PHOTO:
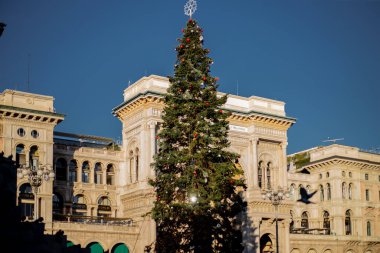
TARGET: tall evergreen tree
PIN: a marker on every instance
(196, 178)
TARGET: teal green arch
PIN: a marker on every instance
(69, 244)
(120, 248)
(95, 247)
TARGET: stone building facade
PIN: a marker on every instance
(101, 198)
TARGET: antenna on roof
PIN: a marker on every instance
(129, 83)
(333, 140)
(237, 87)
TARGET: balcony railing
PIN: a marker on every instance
(311, 231)
(93, 220)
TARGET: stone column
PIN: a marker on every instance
(254, 164)
(152, 142)
(286, 236)
(104, 176)
(91, 174)
(283, 180)
(79, 170)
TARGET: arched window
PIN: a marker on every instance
(269, 165)
(347, 222)
(137, 164)
(304, 220)
(308, 189)
(98, 173)
(344, 190)
(131, 162)
(110, 174)
(260, 174)
(328, 192)
(57, 203)
(73, 171)
(20, 154)
(299, 190)
(369, 228)
(327, 174)
(293, 191)
(26, 200)
(321, 193)
(104, 207)
(350, 191)
(60, 169)
(291, 225)
(33, 156)
(85, 172)
(79, 205)
(326, 221)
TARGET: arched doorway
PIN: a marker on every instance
(95, 247)
(120, 248)
(266, 245)
(26, 201)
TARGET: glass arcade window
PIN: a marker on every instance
(260, 174)
(21, 132)
(322, 193)
(26, 200)
(60, 169)
(328, 192)
(73, 171)
(110, 174)
(304, 220)
(79, 205)
(347, 222)
(85, 172)
(35, 134)
(98, 176)
(57, 204)
(104, 207)
(369, 228)
(326, 221)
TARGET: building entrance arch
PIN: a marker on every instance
(266, 244)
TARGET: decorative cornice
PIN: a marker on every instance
(30, 114)
(334, 160)
(254, 116)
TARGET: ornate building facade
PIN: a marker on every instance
(101, 198)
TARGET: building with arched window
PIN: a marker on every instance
(100, 196)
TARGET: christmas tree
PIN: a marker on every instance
(197, 183)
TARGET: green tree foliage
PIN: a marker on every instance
(196, 182)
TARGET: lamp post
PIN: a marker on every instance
(36, 174)
(275, 197)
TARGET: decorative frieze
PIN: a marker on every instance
(270, 131)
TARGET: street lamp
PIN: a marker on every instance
(275, 197)
(35, 174)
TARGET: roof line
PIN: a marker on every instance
(342, 158)
(81, 136)
(114, 110)
(32, 111)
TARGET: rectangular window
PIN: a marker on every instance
(366, 176)
(367, 194)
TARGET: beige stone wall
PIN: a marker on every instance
(258, 133)
(344, 169)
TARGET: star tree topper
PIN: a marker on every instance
(190, 7)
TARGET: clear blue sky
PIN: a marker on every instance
(321, 57)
